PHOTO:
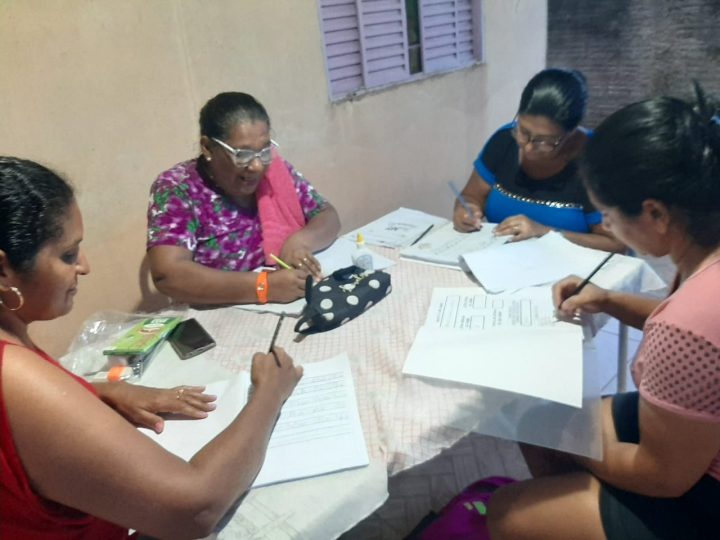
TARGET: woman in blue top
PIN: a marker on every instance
(526, 177)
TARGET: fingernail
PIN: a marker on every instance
(158, 427)
(212, 405)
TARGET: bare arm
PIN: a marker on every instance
(178, 276)
(475, 193)
(80, 453)
(630, 309)
(673, 454)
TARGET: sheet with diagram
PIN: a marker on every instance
(472, 309)
(400, 228)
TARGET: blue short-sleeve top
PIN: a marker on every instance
(559, 202)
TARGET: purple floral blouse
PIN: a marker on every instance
(184, 211)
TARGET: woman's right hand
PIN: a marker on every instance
(464, 223)
(286, 285)
(591, 299)
(279, 380)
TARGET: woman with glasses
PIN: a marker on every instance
(237, 207)
(526, 178)
(653, 169)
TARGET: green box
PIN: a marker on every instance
(142, 337)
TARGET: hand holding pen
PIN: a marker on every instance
(574, 295)
(467, 217)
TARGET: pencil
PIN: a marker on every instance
(282, 263)
(274, 337)
(422, 235)
(587, 279)
(460, 199)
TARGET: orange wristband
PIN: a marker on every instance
(261, 287)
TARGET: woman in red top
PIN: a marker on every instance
(70, 465)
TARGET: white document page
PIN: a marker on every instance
(397, 229)
(335, 257)
(445, 245)
(318, 431)
(544, 362)
(470, 308)
(536, 261)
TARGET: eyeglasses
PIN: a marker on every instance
(541, 143)
(244, 157)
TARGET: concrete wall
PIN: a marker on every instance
(634, 49)
(108, 93)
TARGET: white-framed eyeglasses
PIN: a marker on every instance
(539, 143)
(244, 157)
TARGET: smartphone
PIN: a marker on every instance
(190, 339)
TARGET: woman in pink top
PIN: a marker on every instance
(653, 170)
(71, 467)
(213, 219)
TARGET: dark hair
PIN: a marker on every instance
(664, 149)
(33, 202)
(558, 94)
(219, 115)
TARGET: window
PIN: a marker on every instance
(374, 43)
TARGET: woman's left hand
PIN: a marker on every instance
(143, 405)
(521, 228)
(298, 255)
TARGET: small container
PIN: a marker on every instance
(362, 256)
(114, 374)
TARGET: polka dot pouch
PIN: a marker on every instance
(340, 297)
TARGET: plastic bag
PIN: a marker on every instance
(85, 354)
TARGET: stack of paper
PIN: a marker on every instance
(318, 431)
(444, 245)
(397, 229)
(508, 342)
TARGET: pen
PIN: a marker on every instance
(421, 236)
(587, 279)
(275, 335)
(460, 199)
(282, 263)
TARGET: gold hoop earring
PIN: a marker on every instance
(20, 300)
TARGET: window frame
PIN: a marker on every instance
(361, 50)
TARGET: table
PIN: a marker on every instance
(405, 420)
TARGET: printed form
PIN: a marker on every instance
(470, 308)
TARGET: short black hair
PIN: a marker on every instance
(558, 94)
(666, 149)
(33, 202)
(219, 115)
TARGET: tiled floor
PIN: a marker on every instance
(431, 485)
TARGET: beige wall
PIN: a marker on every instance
(108, 93)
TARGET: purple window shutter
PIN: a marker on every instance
(446, 34)
(383, 33)
(343, 51)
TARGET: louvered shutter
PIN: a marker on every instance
(343, 50)
(383, 34)
(446, 28)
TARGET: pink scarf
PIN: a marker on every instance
(278, 207)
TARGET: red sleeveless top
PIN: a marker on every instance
(24, 514)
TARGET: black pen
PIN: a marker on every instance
(275, 335)
(587, 279)
(421, 236)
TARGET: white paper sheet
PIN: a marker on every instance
(470, 308)
(544, 362)
(397, 229)
(536, 261)
(318, 431)
(338, 255)
(445, 245)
